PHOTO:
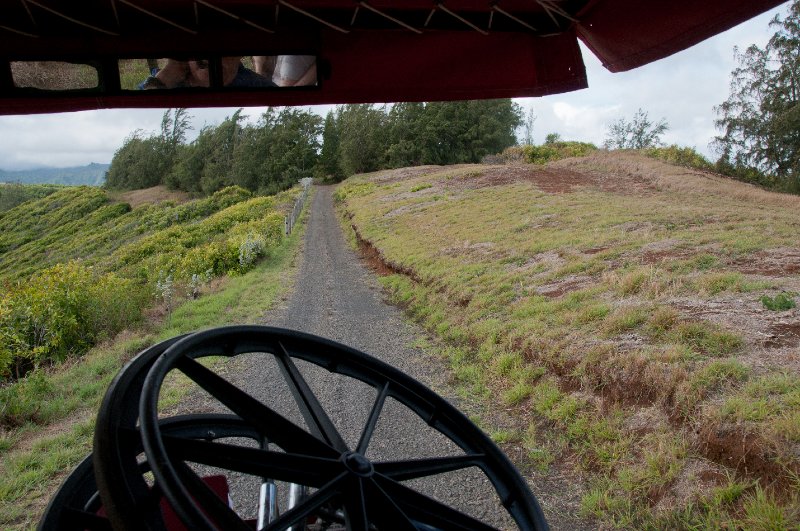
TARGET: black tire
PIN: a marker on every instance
(370, 494)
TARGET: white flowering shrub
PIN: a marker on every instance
(251, 248)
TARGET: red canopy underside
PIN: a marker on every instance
(387, 50)
(625, 34)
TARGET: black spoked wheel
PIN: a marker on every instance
(368, 494)
(77, 504)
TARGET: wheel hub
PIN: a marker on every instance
(358, 464)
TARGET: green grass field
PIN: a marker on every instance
(615, 305)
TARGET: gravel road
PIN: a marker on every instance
(336, 297)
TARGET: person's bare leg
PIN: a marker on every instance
(264, 65)
(295, 70)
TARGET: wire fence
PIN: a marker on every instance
(291, 219)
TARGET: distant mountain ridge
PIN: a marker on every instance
(92, 174)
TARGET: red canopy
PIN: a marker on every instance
(367, 51)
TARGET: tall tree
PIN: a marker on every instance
(760, 120)
(279, 151)
(639, 133)
(218, 167)
(329, 159)
(362, 143)
(405, 123)
(190, 161)
(138, 163)
(526, 129)
(174, 125)
(144, 161)
(466, 131)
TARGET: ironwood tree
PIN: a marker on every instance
(760, 120)
(638, 133)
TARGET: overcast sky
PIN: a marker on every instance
(683, 89)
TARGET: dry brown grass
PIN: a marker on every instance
(595, 293)
(53, 75)
(146, 196)
(627, 165)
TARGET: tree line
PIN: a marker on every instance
(760, 120)
(286, 144)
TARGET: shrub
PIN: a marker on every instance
(61, 312)
(682, 156)
(20, 403)
(746, 174)
(547, 152)
(510, 155)
(211, 243)
(250, 249)
(780, 302)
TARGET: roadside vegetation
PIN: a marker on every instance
(634, 316)
(70, 326)
(78, 267)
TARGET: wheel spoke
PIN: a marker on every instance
(383, 512)
(355, 505)
(312, 411)
(293, 468)
(309, 505)
(427, 510)
(275, 427)
(418, 468)
(212, 505)
(366, 435)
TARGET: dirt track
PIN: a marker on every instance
(337, 297)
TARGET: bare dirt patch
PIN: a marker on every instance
(408, 209)
(551, 259)
(595, 250)
(564, 285)
(697, 477)
(375, 260)
(645, 173)
(647, 420)
(771, 263)
(771, 337)
(559, 177)
(784, 335)
(403, 174)
(664, 250)
(732, 446)
(553, 181)
(146, 196)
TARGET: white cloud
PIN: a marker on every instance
(579, 122)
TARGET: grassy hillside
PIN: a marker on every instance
(77, 266)
(147, 254)
(636, 317)
(85, 223)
